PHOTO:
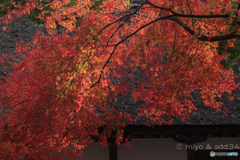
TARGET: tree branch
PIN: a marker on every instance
(174, 18)
(204, 38)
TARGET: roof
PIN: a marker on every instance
(21, 29)
(203, 116)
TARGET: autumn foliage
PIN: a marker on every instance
(58, 96)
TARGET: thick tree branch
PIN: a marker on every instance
(204, 38)
(174, 18)
(186, 15)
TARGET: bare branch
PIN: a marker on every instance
(99, 79)
(168, 9)
(191, 13)
(122, 18)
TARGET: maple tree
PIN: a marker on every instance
(7, 6)
(58, 96)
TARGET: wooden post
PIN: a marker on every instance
(113, 151)
(190, 152)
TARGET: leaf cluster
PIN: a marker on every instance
(7, 6)
(232, 54)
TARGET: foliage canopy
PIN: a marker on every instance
(58, 96)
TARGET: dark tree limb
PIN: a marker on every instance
(174, 18)
(204, 38)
